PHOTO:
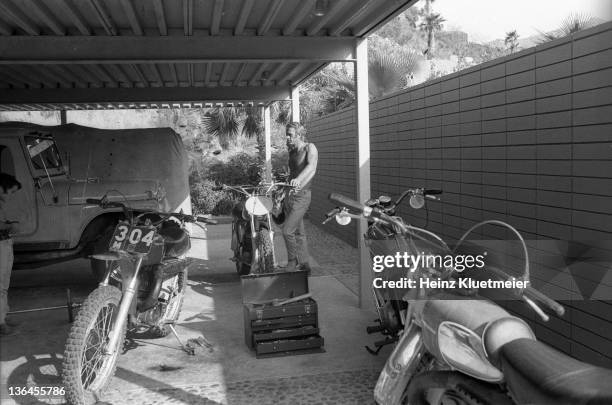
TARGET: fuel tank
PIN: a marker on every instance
(472, 312)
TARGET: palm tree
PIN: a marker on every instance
(511, 41)
(570, 25)
(225, 123)
(387, 72)
(432, 23)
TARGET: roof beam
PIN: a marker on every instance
(223, 73)
(298, 16)
(103, 17)
(160, 16)
(316, 27)
(47, 16)
(17, 16)
(130, 13)
(216, 17)
(76, 17)
(172, 49)
(247, 5)
(269, 17)
(239, 74)
(257, 74)
(357, 13)
(144, 95)
(188, 17)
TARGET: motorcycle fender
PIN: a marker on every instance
(401, 366)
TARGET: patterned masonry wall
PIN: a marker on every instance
(526, 139)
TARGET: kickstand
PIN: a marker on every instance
(186, 348)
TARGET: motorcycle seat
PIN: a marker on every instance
(538, 374)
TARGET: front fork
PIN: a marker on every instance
(124, 308)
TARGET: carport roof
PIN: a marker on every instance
(98, 54)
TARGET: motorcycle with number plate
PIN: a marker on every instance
(454, 345)
(142, 291)
(252, 231)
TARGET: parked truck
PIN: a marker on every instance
(60, 167)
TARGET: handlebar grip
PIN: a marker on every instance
(207, 220)
(346, 201)
(534, 294)
(432, 191)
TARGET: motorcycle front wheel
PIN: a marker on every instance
(265, 253)
(86, 369)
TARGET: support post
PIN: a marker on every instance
(295, 104)
(363, 167)
(63, 119)
(268, 142)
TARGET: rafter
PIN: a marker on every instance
(51, 76)
(268, 19)
(140, 74)
(174, 74)
(160, 16)
(62, 71)
(106, 21)
(276, 71)
(48, 17)
(190, 74)
(188, 17)
(257, 74)
(208, 73)
(100, 72)
(247, 5)
(130, 13)
(12, 12)
(216, 17)
(14, 77)
(80, 71)
(292, 72)
(298, 16)
(75, 16)
(238, 77)
(224, 71)
(357, 13)
(122, 77)
(157, 74)
(386, 11)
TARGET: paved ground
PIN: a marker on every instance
(156, 371)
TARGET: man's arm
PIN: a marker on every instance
(312, 157)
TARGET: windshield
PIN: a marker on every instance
(43, 153)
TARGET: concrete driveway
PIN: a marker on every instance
(157, 371)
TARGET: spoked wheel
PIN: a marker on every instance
(87, 367)
(168, 310)
(265, 253)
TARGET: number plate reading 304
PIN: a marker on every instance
(132, 239)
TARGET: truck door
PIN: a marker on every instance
(22, 206)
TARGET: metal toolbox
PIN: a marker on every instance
(274, 329)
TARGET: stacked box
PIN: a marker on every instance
(276, 330)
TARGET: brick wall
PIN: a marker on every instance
(526, 139)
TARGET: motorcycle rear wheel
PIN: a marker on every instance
(266, 256)
(86, 370)
(173, 308)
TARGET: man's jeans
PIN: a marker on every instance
(6, 265)
(296, 206)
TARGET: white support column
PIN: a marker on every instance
(268, 142)
(363, 167)
(295, 104)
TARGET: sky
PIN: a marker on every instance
(486, 20)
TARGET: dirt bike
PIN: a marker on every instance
(252, 231)
(454, 346)
(142, 290)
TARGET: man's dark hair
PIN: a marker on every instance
(299, 129)
(7, 182)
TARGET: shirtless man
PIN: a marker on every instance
(303, 158)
